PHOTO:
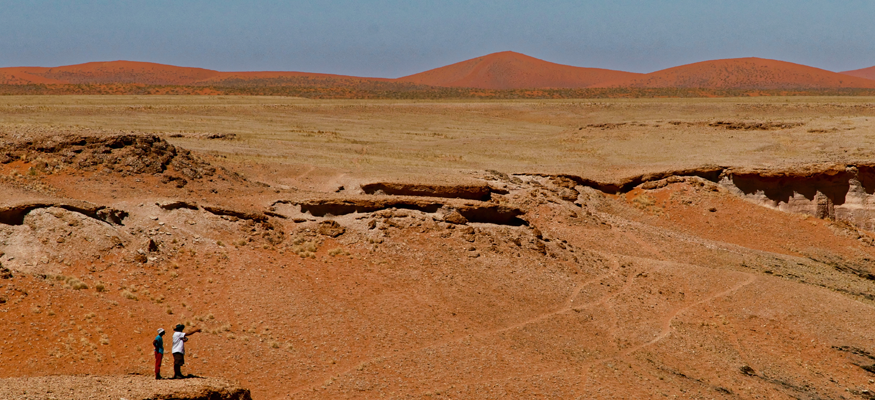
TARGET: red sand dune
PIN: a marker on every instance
(150, 74)
(247, 75)
(505, 70)
(21, 76)
(509, 70)
(867, 73)
(122, 72)
(744, 73)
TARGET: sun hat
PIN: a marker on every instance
(160, 330)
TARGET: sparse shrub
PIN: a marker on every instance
(274, 345)
(337, 252)
(644, 201)
(100, 287)
(128, 295)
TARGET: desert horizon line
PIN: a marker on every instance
(445, 65)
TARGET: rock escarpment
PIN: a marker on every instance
(836, 192)
(120, 153)
(130, 387)
(842, 192)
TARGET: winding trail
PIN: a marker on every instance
(665, 332)
(567, 306)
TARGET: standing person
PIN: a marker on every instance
(158, 343)
(179, 339)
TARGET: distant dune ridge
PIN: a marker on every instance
(498, 71)
(868, 73)
(744, 73)
(145, 73)
(509, 70)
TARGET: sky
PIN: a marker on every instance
(393, 38)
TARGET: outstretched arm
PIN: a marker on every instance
(192, 332)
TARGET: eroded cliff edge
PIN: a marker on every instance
(130, 387)
(841, 192)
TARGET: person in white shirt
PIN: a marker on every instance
(179, 339)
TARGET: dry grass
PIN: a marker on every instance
(605, 138)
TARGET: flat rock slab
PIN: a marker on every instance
(130, 387)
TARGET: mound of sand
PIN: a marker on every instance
(145, 73)
(510, 70)
(117, 72)
(744, 73)
(867, 73)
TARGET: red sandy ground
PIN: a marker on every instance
(672, 292)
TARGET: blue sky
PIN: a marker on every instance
(392, 38)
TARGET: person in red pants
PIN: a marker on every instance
(158, 343)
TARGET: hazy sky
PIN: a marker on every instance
(392, 38)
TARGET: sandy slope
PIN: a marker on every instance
(504, 70)
(147, 74)
(510, 70)
(744, 73)
(867, 73)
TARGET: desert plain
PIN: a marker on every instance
(599, 248)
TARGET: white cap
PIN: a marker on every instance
(160, 330)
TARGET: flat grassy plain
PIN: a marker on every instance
(602, 139)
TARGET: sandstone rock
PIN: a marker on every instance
(5, 273)
(568, 194)
(131, 387)
(454, 217)
(331, 228)
(151, 246)
(471, 192)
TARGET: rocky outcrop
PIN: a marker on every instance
(14, 214)
(121, 153)
(836, 192)
(131, 387)
(255, 217)
(5, 273)
(472, 211)
(711, 173)
(215, 210)
(469, 192)
(827, 191)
